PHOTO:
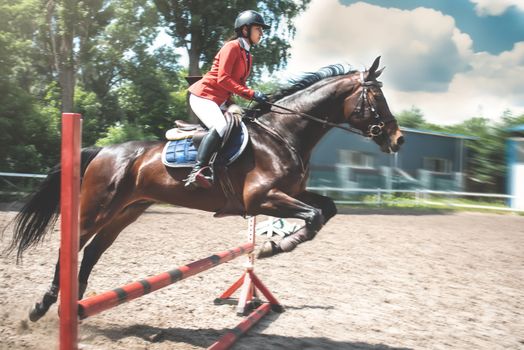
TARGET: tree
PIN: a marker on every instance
(412, 118)
(61, 18)
(26, 133)
(201, 27)
(117, 65)
(111, 56)
(102, 31)
(487, 164)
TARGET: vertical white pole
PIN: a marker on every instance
(251, 230)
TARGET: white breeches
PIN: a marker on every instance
(209, 113)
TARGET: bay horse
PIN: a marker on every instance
(120, 182)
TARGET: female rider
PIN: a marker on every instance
(228, 75)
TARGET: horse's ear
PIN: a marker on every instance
(374, 66)
(378, 72)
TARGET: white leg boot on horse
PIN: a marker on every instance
(322, 209)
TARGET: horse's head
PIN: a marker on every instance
(366, 109)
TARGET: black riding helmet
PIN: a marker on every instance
(249, 18)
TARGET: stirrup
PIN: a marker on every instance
(203, 177)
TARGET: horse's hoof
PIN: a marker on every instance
(268, 249)
(36, 313)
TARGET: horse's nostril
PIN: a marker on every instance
(400, 140)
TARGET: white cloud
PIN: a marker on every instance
(420, 44)
(492, 85)
(495, 7)
(431, 63)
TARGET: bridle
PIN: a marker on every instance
(364, 109)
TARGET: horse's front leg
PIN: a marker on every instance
(308, 232)
(314, 209)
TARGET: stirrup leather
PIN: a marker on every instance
(200, 178)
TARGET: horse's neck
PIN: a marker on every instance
(300, 132)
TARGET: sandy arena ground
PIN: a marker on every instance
(368, 281)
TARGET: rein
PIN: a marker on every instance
(275, 134)
(318, 120)
(374, 130)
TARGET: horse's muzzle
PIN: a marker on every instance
(395, 147)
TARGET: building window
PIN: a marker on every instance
(438, 165)
(355, 159)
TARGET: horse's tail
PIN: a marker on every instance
(40, 212)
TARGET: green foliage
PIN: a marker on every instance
(122, 132)
(29, 132)
(412, 118)
(124, 88)
(487, 163)
(203, 26)
(147, 96)
(268, 87)
(94, 122)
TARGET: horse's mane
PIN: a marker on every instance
(305, 80)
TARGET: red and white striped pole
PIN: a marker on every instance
(98, 303)
(69, 211)
(228, 339)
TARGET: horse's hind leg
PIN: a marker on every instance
(103, 240)
(50, 297)
(92, 253)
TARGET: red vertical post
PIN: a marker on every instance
(69, 210)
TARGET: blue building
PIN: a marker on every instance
(431, 160)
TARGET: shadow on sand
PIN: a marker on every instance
(205, 337)
(347, 210)
(166, 209)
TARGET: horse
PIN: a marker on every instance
(119, 182)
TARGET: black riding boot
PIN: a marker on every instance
(208, 146)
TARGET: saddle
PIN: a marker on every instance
(181, 150)
(185, 130)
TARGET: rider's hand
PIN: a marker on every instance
(260, 97)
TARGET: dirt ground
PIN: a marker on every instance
(370, 280)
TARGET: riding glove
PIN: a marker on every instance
(260, 97)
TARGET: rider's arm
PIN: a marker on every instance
(229, 58)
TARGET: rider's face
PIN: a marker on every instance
(256, 34)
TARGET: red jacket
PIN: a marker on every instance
(227, 76)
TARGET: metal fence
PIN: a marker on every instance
(355, 196)
(419, 197)
(13, 185)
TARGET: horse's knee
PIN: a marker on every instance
(315, 222)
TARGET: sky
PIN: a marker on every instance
(453, 59)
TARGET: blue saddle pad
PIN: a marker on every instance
(183, 153)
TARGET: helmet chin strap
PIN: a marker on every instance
(249, 34)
